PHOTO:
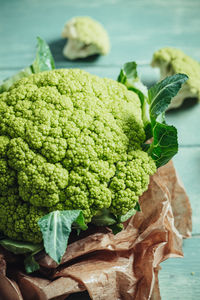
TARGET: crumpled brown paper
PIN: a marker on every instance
(123, 266)
(180, 204)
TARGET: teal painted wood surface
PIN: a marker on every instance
(136, 28)
(180, 278)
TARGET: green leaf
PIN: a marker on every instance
(129, 77)
(153, 106)
(43, 62)
(161, 94)
(79, 224)
(127, 216)
(137, 207)
(56, 228)
(164, 145)
(104, 218)
(128, 72)
(165, 141)
(17, 247)
(30, 264)
(116, 228)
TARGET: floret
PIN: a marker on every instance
(69, 140)
(85, 37)
(172, 61)
(40, 182)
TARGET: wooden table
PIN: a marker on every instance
(136, 29)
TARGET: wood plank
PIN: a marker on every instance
(180, 277)
(148, 75)
(147, 26)
(188, 168)
(187, 121)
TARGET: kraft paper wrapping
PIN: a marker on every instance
(123, 266)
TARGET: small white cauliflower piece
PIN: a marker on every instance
(172, 61)
(85, 37)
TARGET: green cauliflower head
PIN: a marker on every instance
(172, 61)
(68, 140)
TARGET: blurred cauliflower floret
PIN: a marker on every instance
(172, 61)
(85, 37)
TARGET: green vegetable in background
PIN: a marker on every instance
(85, 37)
(172, 61)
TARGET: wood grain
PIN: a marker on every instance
(180, 278)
